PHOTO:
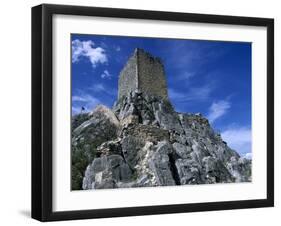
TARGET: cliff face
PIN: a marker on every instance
(142, 141)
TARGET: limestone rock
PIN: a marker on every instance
(155, 146)
(183, 151)
(96, 127)
(188, 171)
(142, 141)
(130, 147)
(160, 166)
(105, 172)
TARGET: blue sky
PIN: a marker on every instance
(210, 77)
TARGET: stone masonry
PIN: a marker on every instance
(144, 73)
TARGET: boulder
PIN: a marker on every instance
(131, 145)
(188, 171)
(183, 151)
(160, 166)
(106, 171)
(164, 148)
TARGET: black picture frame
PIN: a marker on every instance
(42, 111)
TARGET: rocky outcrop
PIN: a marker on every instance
(88, 132)
(144, 142)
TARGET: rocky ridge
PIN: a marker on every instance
(142, 141)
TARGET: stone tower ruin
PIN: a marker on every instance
(145, 73)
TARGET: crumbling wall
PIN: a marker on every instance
(128, 77)
(151, 75)
(143, 72)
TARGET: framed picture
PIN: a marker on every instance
(146, 112)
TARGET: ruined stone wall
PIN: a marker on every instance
(128, 78)
(143, 72)
(151, 75)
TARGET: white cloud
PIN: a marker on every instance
(185, 76)
(106, 74)
(118, 48)
(239, 139)
(85, 100)
(76, 110)
(100, 88)
(248, 155)
(193, 54)
(200, 93)
(193, 94)
(175, 95)
(217, 110)
(95, 55)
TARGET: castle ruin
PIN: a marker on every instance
(145, 73)
(143, 142)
